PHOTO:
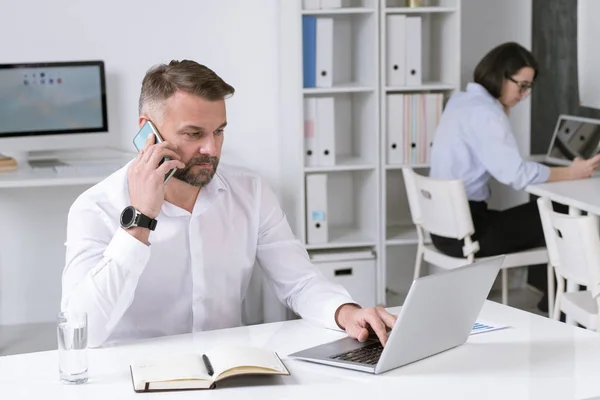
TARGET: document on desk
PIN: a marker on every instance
(482, 326)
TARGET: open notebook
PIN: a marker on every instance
(192, 371)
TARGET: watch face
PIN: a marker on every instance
(127, 216)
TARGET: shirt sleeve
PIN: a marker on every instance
(295, 280)
(101, 272)
(496, 148)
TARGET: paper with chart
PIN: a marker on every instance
(482, 326)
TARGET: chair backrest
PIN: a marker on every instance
(438, 206)
(573, 245)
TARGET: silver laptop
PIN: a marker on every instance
(438, 315)
(573, 137)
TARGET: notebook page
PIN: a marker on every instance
(228, 357)
(176, 367)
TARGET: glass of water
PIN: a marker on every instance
(72, 348)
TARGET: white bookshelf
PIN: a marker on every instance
(366, 199)
(440, 58)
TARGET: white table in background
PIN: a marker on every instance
(86, 174)
(536, 358)
(579, 195)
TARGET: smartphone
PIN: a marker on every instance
(140, 140)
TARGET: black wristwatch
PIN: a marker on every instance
(130, 217)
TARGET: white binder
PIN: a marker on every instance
(311, 4)
(413, 51)
(317, 225)
(333, 52)
(396, 50)
(434, 113)
(396, 138)
(310, 139)
(325, 131)
(324, 62)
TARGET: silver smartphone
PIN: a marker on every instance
(140, 140)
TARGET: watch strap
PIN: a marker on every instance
(144, 221)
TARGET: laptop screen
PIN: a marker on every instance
(575, 137)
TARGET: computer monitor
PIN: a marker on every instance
(52, 106)
(574, 137)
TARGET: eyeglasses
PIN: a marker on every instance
(524, 86)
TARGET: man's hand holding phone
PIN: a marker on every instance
(146, 180)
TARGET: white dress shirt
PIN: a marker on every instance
(474, 142)
(195, 273)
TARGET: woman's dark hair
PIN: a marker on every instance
(500, 63)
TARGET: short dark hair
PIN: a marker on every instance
(500, 63)
(162, 81)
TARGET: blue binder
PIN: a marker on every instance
(309, 51)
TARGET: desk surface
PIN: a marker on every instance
(583, 194)
(536, 358)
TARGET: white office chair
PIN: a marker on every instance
(574, 249)
(440, 207)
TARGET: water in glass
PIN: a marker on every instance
(72, 349)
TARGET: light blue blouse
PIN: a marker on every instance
(474, 142)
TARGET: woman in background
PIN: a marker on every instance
(474, 142)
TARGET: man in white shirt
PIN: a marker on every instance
(147, 259)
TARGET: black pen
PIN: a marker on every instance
(208, 365)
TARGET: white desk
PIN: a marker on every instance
(580, 195)
(536, 358)
(25, 177)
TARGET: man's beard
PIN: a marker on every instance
(203, 177)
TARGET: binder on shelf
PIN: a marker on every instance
(333, 52)
(421, 113)
(395, 129)
(324, 52)
(310, 139)
(413, 51)
(311, 4)
(317, 225)
(396, 50)
(435, 103)
(325, 131)
(414, 127)
(309, 55)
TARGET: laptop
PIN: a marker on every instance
(573, 137)
(438, 314)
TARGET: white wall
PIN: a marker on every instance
(486, 24)
(236, 38)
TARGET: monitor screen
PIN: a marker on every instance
(52, 98)
(577, 137)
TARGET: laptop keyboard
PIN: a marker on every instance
(365, 355)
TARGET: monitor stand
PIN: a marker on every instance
(35, 159)
(43, 159)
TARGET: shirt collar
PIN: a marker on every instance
(478, 90)
(206, 196)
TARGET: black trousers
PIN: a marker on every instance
(500, 232)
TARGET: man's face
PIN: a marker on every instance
(196, 127)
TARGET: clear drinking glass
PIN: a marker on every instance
(72, 348)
